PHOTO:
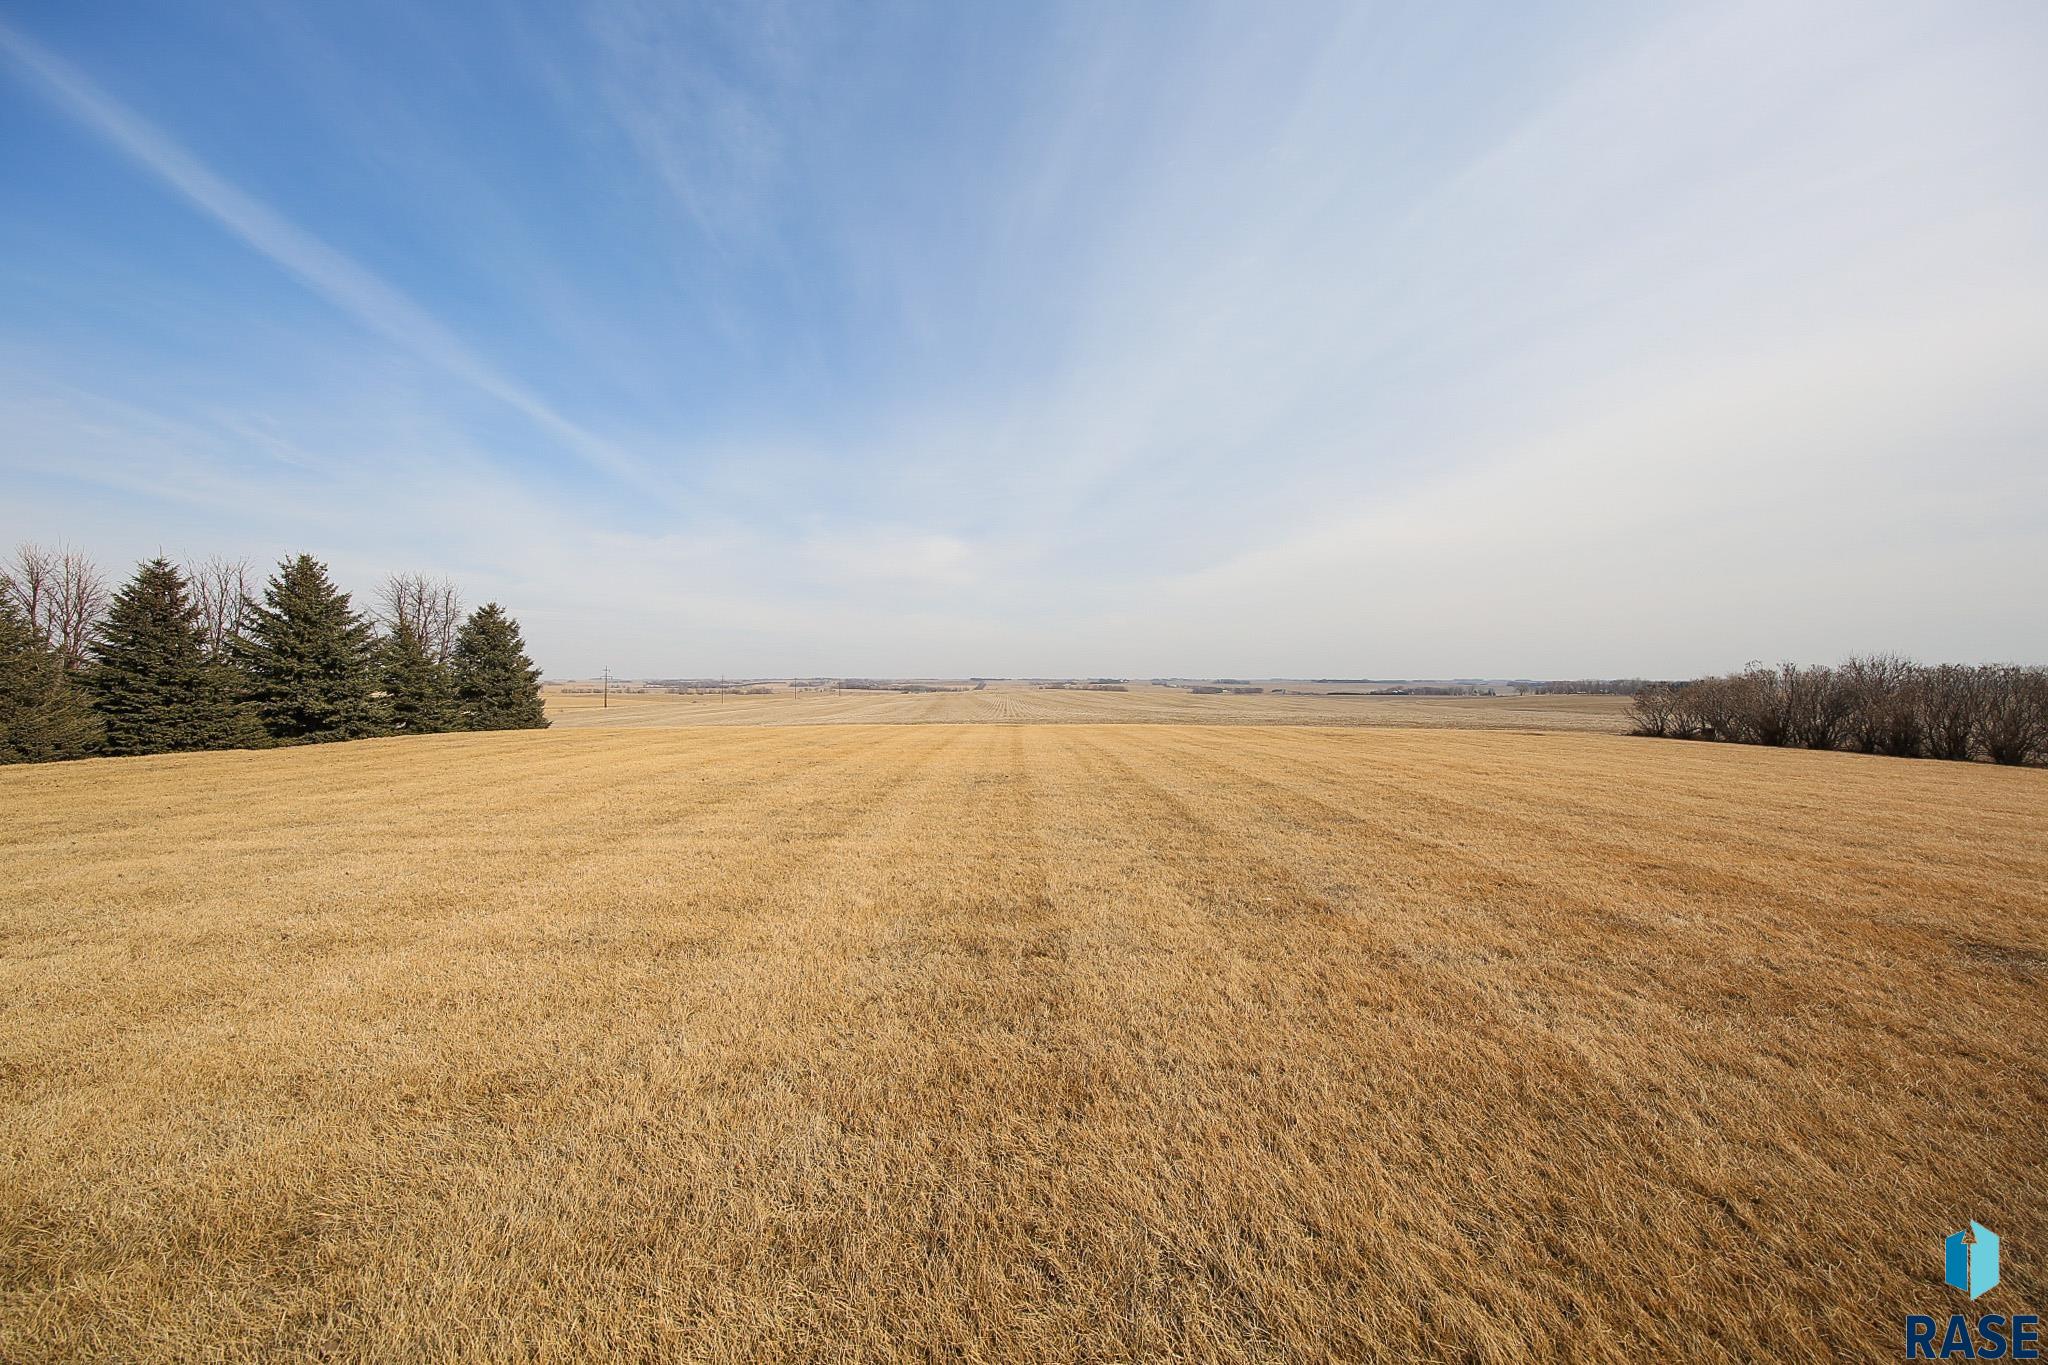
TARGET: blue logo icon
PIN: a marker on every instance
(1973, 1259)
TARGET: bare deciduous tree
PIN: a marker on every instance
(28, 580)
(62, 595)
(77, 607)
(221, 589)
(431, 606)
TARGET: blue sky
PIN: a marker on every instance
(1389, 340)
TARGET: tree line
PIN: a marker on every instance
(194, 657)
(1875, 704)
(1582, 687)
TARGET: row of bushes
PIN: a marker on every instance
(165, 665)
(1877, 704)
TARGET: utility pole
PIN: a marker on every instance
(607, 688)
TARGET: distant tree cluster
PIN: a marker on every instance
(1422, 690)
(1878, 704)
(192, 658)
(1583, 687)
(891, 685)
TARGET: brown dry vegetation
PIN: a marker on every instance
(1142, 704)
(993, 1042)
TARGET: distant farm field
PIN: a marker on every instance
(1142, 704)
(979, 1042)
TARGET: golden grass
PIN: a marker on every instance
(1014, 1042)
(1143, 704)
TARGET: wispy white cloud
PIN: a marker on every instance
(347, 285)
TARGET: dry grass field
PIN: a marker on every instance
(1143, 704)
(991, 1042)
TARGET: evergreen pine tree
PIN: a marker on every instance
(309, 661)
(418, 698)
(496, 685)
(42, 716)
(150, 679)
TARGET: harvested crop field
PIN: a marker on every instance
(1140, 705)
(1014, 1042)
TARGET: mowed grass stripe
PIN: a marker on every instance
(713, 1134)
(1758, 812)
(426, 884)
(1392, 1140)
(1817, 1005)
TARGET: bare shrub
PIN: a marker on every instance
(2037, 690)
(1706, 709)
(1760, 707)
(2013, 713)
(1884, 716)
(1819, 703)
(1948, 698)
(1879, 704)
(1653, 711)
